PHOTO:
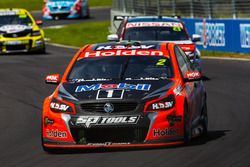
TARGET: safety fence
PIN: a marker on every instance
(186, 8)
(223, 24)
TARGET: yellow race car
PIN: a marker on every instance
(19, 32)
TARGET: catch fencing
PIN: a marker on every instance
(223, 24)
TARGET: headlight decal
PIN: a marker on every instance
(159, 92)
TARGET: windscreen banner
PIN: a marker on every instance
(225, 35)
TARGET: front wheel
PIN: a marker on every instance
(187, 125)
(204, 120)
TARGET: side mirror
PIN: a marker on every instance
(39, 22)
(113, 38)
(192, 76)
(52, 79)
(196, 38)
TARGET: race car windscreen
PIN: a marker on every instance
(15, 19)
(155, 34)
(122, 68)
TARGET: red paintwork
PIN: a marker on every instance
(161, 122)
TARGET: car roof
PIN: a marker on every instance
(13, 11)
(152, 19)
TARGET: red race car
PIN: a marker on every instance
(125, 95)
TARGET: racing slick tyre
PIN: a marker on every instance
(187, 125)
(204, 120)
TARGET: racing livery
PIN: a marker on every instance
(125, 95)
(70, 9)
(19, 32)
(152, 28)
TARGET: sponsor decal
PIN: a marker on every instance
(177, 90)
(48, 121)
(52, 78)
(8, 12)
(120, 86)
(174, 118)
(213, 34)
(162, 105)
(165, 132)
(124, 53)
(106, 144)
(58, 106)
(245, 35)
(77, 80)
(129, 47)
(88, 121)
(14, 28)
(193, 75)
(56, 134)
(154, 24)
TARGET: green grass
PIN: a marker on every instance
(79, 34)
(95, 3)
(27, 4)
(37, 4)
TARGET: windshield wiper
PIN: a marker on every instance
(125, 66)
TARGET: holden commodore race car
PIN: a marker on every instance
(120, 95)
(19, 32)
(154, 28)
(70, 9)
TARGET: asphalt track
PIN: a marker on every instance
(22, 90)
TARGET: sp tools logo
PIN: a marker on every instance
(88, 121)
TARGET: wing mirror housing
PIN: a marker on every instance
(192, 76)
(113, 38)
(53, 79)
(196, 38)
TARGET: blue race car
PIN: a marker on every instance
(69, 9)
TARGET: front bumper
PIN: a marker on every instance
(151, 130)
(61, 15)
(22, 44)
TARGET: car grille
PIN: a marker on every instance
(15, 35)
(15, 47)
(111, 134)
(63, 8)
(118, 107)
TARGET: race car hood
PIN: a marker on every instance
(139, 90)
(64, 3)
(14, 28)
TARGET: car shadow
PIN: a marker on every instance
(205, 78)
(211, 136)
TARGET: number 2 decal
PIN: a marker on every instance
(161, 62)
